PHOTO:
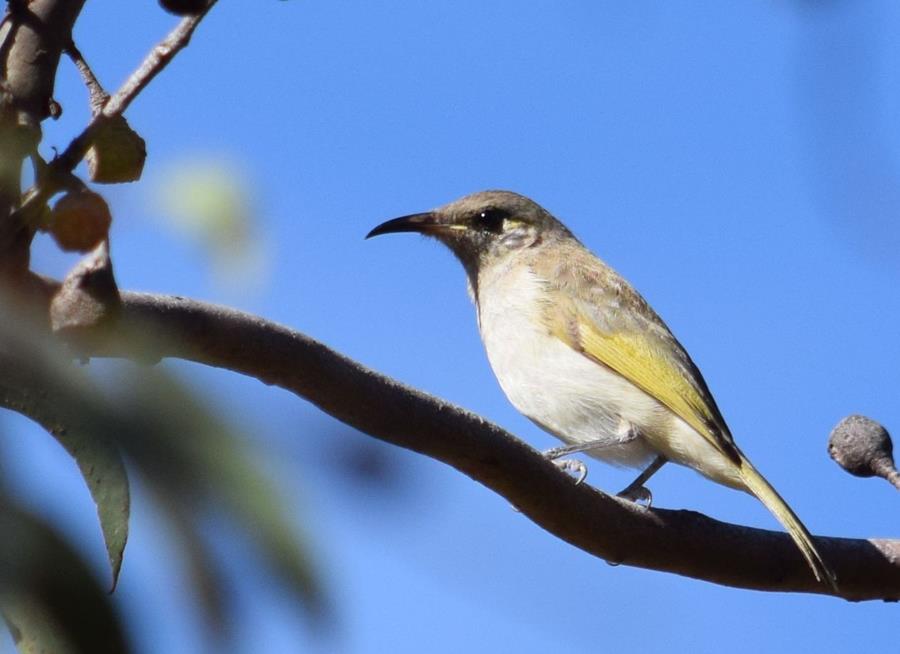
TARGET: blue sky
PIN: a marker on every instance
(738, 162)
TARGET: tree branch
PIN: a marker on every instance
(115, 106)
(32, 36)
(682, 542)
(158, 58)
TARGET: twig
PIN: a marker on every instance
(153, 64)
(98, 96)
(682, 542)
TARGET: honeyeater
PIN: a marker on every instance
(578, 351)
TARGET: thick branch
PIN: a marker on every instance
(683, 542)
(32, 36)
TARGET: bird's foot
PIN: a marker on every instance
(636, 491)
(572, 467)
(638, 494)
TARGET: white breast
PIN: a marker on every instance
(564, 392)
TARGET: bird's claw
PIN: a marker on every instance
(573, 467)
(640, 495)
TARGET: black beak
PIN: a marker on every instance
(424, 223)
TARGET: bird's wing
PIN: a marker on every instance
(597, 313)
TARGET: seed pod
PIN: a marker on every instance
(80, 220)
(183, 7)
(863, 448)
(117, 155)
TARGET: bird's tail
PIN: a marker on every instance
(763, 490)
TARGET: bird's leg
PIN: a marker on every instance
(557, 452)
(625, 434)
(636, 491)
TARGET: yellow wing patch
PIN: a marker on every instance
(653, 371)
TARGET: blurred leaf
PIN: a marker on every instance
(97, 456)
(201, 461)
(207, 582)
(49, 599)
(187, 454)
(33, 629)
(208, 201)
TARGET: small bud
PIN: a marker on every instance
(54, 109)
(80, 220)
(863, 448)
(183, 7)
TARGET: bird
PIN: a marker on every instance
(579, 352)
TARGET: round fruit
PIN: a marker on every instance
(80, 220)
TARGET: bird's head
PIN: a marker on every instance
(482, 228)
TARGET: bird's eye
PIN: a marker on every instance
(492, 219)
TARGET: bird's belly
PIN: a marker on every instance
(566, 393)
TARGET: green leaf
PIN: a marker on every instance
(49, 599)
(104, 473)
(59, 410)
